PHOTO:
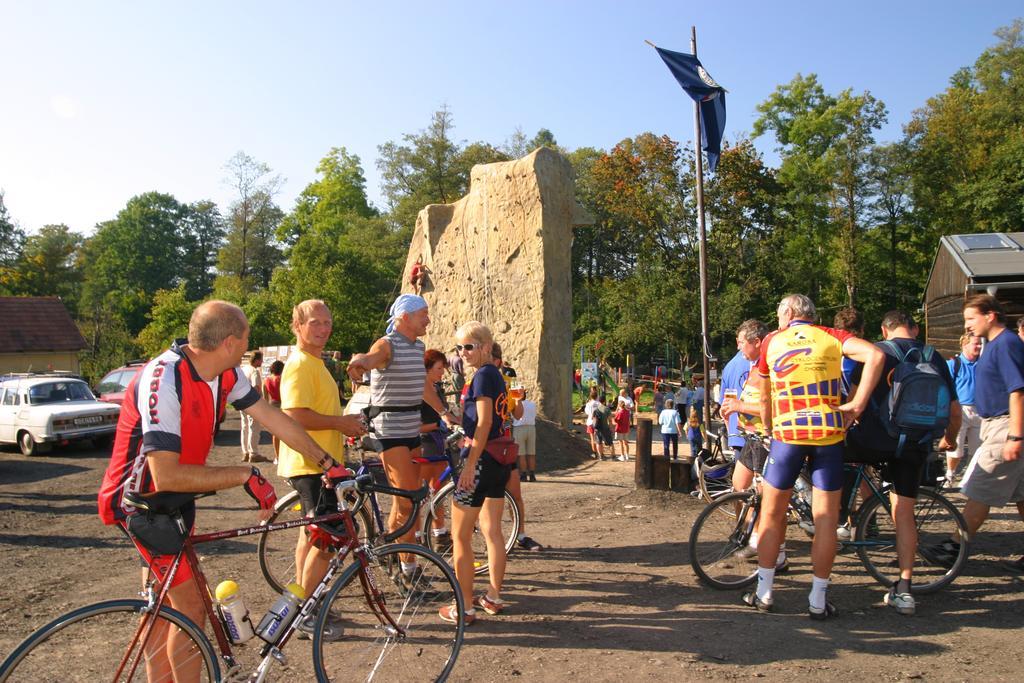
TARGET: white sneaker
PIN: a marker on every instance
(903, 603)
(843, 532)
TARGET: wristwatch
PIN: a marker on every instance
(1014, 437)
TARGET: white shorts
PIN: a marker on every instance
(526, 438)
(990, 479)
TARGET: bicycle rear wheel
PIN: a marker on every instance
(87, 644)
(276, 549)
(441, 506)
(391, 627)
(937, 520)
(720, 530)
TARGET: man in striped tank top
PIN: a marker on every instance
(397, 388)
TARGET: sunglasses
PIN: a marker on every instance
(465, 347)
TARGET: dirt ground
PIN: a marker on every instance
(612, 597)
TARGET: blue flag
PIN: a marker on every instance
(699, 85)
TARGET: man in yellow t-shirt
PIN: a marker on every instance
(309, 395)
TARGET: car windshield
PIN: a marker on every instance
(59, 392)
(114, 381)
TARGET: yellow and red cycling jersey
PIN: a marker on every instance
(804, 364)
(751, 394)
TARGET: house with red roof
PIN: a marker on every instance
(37, 334)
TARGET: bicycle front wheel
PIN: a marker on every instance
(276, 549)
(720, 530)
(390, 628)
(937, 521)
(440, 508)
(89, 643)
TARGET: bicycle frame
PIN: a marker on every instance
(348, 544)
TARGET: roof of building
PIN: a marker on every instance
(37, 323)
(988, 255)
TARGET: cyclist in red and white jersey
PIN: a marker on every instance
(164, 434)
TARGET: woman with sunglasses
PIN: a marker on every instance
(480, 493)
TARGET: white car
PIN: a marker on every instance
(38, 411)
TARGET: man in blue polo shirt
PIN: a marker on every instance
(996, 475)
(961, 367)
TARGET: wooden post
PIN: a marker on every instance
(643, 473)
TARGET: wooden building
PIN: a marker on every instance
(964, 265)
(38, 335)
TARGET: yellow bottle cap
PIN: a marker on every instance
(225, 589)
(296, 590)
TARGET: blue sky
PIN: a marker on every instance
(105, 100)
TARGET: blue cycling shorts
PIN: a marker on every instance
(785, 460)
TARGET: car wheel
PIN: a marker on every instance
(29, 446)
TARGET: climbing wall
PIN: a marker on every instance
(502, 255)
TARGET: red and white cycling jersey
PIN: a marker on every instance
(167, 407)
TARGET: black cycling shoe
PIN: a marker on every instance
(750, 599)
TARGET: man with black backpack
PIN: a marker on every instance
(914, 403)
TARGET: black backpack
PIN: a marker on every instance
(917, 407)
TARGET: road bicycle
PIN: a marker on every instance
(390, 622)
(725, 526)
(277, 552)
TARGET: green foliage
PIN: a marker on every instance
(202, 235)
(251, 250)
(49, 266)
(12, 239)
(967, 151)
(429, 168)
(133, 256)
(168, 320)
(110, 342)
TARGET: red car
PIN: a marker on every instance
(111, 387)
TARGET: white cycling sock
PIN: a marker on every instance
(440, 532)
(408, 567)
(765, 580)
(782, 555)
(817, 595)
(520, 537)
(753, 540)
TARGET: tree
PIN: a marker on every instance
(430, 168)
(168, 320)
(50, 265)
(825, 143)
(12, 239)
(967, 152)
(338, 194)
(202, 236)
(251, 250)
(133, 256)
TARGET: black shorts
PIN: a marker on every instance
(314, 497)
(904, 472)
(491, 478)
(412, 443)
(753, 455)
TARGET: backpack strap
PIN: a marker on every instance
(957, 362)
(900, 356)
(927, 352)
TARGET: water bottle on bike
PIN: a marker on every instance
(233, 612)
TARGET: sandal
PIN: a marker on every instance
(750, 599)
(492, 607)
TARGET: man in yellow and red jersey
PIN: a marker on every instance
(800, 370)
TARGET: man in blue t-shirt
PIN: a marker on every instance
(749, 459)
(868, 441)
(961, 367)
(996, 475)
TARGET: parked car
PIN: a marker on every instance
(40, 411)
(111, 387)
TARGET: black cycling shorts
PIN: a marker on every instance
(315, 498)
(412, 443)
(490, 477)
(904, 472)
(753, 455)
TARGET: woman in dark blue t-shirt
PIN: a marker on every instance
(480, 493)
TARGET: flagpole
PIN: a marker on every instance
(705, 347)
